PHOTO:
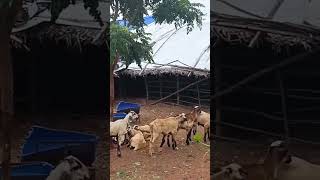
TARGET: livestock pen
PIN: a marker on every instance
(265, 86)
(190, 162)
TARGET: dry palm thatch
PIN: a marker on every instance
(72, 36)
(239, 30)
(175, 71)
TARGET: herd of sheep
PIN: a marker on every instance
(124, 131)
(279, 164)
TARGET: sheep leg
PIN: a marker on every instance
(163, 140)
(194, 128)
(174, 143)
(118, 148)
(205, 136)
(188, 137)
(168, 140)
(154, 136)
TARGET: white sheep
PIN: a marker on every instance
(137, 140)
(230, 172)
(166, 126)
(283, 166)
(119, 129)
(203, 119)
(70, 168)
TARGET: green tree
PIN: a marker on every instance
(125, 46)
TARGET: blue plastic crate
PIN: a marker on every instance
(125, 107)
(51, 145)
(120, 115)
(30, 171)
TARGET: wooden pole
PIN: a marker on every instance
(199, 100)
(284, 100)
(270, 15)
(178, 96)
(217, 84)
(160, 87)
(147, 91)
(186, 87)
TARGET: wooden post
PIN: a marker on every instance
(199, 100)
(147, 91)
(217, 84)
(178, 85)
(284, 100)
(160, 87)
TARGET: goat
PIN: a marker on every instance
(70, 168)
(165, 127)
(231, 172)
(203, 119)
(119, 129)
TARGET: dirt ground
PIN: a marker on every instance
(187, 163)
(86, 124)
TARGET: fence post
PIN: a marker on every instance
(178, 97)
(147, 91)
(284, 97)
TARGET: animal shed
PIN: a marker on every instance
(59, 66)
(154, 85)
(270, 88)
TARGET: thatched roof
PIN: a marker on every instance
(242, 30)
(72, 36)
(282, 24)
(74, 27)
(174, 71)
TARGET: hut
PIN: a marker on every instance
(265, 58)
(180, 59)
(60, 67)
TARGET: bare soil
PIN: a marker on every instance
(186, 163)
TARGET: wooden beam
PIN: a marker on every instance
(199, 99)
(178, 94)
(147, 90)
(270, 16)
(284, 100)
(217, 86)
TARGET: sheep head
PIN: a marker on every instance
(277, 155)
(234, 172)
(70, 168)
(132, 116)
(132, 130)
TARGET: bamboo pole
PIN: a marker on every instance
(147, 90)
(217, 86)
(199, 100)
(160, 91)
(178, 95)
(284, 98)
